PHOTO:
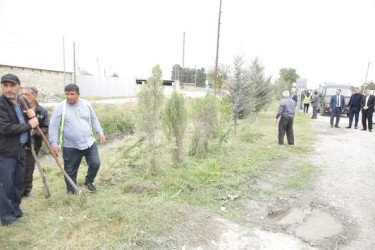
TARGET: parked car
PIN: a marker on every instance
(327, 91)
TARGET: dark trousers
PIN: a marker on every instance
(30, 166)
(12, 171)
(306, 107)
(72, 160)
(367, 116)
(286, 125)
(336, 112)
(315, 112)
(354, 112)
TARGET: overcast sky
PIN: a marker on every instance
(325, 40)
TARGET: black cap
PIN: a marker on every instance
(10, 78)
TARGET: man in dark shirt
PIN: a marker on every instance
(354, 107)
(31, 94)
(287, 110)
(14, 138)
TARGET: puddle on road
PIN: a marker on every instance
(311, 225)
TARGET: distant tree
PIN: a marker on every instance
(189, 75)
(175, 122)
(370, 85)
(260, 85)
(290, 75)
(150, 101)
(239, 90)
(115, 74)
(279, 86)
(223, 75)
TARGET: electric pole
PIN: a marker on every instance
(365, 84)
(74, 62)
(183, 62)
(217, 51)
(64, 59)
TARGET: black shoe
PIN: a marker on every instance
(370, 130)
(337, 127)
(348, 127)
(15, 222)
(90, 187)
(355, 127)
(364, 129)
(18, 212)
(71, 192)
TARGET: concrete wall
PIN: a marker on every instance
(106, 86)
(48, 80)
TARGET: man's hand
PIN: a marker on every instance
(30, 113)
(342, 110)
(276, 121)
(365, 108)
(56, 151)
(330, 110)
(33, 122)
(102, 139)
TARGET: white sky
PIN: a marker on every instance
(325, 40)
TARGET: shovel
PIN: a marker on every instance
(81, 195)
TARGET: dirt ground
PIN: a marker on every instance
(339, 213)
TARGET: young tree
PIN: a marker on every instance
(175, 122)
(260, 85)
(290, 75)
(204, 116)
(150, 101)
(239, 91)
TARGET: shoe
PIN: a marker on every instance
(370, 130)
(15, 222)
(364, 129)
(337, 127)
(27, 194)
(71, 192)
(355, 127)
(348, 127)
(18, 212)
(90, 187)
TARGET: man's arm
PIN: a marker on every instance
(331, 102)
(11, 129)
(280, 111)
(372, 103)
(54, 126)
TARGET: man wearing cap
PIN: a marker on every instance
(14, 138)
(31, 94)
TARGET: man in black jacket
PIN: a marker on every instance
(354, 107)
(31, 94)
(367, 104)
(14, 129)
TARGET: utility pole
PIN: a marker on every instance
(74, 63)
(195, 77)
(183, 62)
(365, 84)
(217, 51)
(97, 61)
(64, 59)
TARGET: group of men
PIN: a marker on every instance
(71, 129)
(356, 103)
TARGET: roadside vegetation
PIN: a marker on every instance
(134, 210)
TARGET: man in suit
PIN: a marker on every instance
(367, 104)
(336, 106)
(354, 107)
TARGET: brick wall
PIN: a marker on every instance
(48, 80)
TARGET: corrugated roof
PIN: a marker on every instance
(22, 67)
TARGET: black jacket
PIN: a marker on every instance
(370, 103)
(355, 101)
(43, 119)
(10, 129)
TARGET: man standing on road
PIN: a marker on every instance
(71, 128)
(354, 107)
(31, 94)
(315, 100)
(287, 111)
(14, 130)
(336, 106)
(367, 104)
